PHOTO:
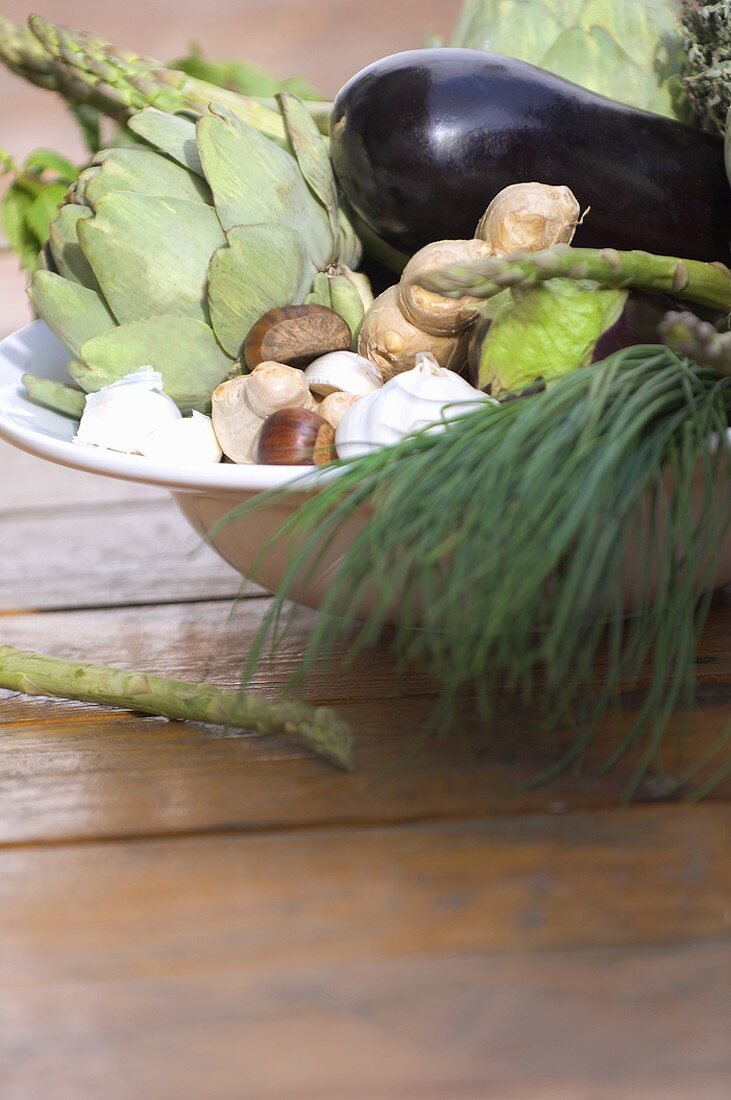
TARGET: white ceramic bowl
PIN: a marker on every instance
(204, 495)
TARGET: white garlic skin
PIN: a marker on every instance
(343, 371)
(426, 395)
(190, 441)
(121, 416)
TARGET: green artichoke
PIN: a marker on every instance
(624, 49)
(167, 254)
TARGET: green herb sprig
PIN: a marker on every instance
(31, 201)
(504, 544)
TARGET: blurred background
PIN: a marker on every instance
(324, 40)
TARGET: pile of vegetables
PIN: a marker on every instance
(212, 279)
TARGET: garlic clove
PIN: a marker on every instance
(274, 386)
(190, 441)
(343, 370)
(415, 399)
(121, 416)
(235, 424)
(333, 407)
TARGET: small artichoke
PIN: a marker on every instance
(167, 253)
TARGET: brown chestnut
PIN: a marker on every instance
(295, 335)
(295, 437)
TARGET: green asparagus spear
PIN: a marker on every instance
(688, 335)
(85, 69)
(691, 280)
(318, 727)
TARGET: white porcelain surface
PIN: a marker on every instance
(205, 495)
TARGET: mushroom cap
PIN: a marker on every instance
(432, 312)
(391, 341)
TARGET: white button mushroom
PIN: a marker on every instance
(241, 405)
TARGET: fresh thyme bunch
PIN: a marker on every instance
(706, 37)
(505, 543)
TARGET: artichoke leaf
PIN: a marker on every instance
(346, 300)
(145, 172)
(151, 255)
(184, 351)
(262, 267)
(171, 134)
(350, 247)
(66, 251)
(320, 293)
(312, 156)
(255, 182)
(54, 395)
(74, 312)
(623, 49)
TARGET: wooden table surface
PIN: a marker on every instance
(203, 915)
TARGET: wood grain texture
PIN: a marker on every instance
(197, 914)
(444, 959)
(650, 1024)
(71, 771)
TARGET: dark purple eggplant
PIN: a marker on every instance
(422, 141)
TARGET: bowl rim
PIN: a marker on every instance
(222, 478)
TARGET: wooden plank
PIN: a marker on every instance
(78, 556)
(296, 899)
(31, 484)
(72, 771)
(650, 1024)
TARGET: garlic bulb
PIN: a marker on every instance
(428, 394)
(343, 370)
(121, 416)
(190, 441)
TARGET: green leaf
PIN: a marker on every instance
(544, 331)
(43, 160)
(54, 395)
(170, 134)
(320, 293)
(66, 250)
(623, 49)
(72, 311)
(143, 171)
(185, 351)
(151, 255)
(43, 210)
(255, 182)
(261, 268)
(241, 76)
(311, 153)
(22, 240)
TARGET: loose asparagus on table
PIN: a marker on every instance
(694, 281)
(318, 727)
